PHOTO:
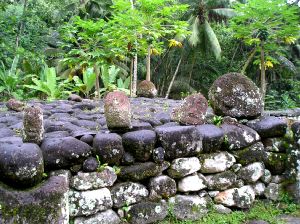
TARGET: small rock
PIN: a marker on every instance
(15, 105)
(194, 182)
(259, 188)
(277, 179)
(221, 181)
(108, 147)
(88, 139)
(236, 167)
(128, 193)
(95, 180)
(158, 155)
(192, 111)
(84, 203)
(74, 97)
(179, 141)
(251, 154)
(188, 207)
(182, 167)
(252, 172)
(221, 209)
(140, 143)
(91, 164)
(140, 171)
(161, 187)
(108, 216)
(266, 177)
(269, 127)
(127, 159)
(272, 191)
(146, 89)
(213, 194)
(216, 162)
(147, 212)
(33, 129)
(236, 197)
(213, 137)
(117, 110)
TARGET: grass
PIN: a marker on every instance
(260, 210)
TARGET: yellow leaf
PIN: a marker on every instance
(154, 51)
(174, 43)
(290, 40)
(269, 64)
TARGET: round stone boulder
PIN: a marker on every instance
(146, 89)
(21, 165)
(74, 97)
(192, 110)
(235, 95)
(161, 187)
(15, 105)
(117, 110)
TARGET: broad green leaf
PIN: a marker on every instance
(212, 41)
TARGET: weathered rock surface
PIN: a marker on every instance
(192, 111)
(272, 191)
(235, 95)
(158, 155)
(95, 180)
(221, 181)
(195, 182)
(269, 127)
(15, 105)
(117, 110)
(251, 154)
(146, 89)
(161, 187)
(128, 193)
(236, 197)
(140, 171)
(252, 172)
(37, 205)
(296, 130)
(216, 162)
(21, 165)
(213, 137)
(188, 207)
(182, 167)
(108, 147)
(259, 188)
(64, 152)
(74, 97)
(33, 129)
(108, 216)
(83, 203)
(239, 136)
(147, 212)
(91, 164)
(140, 143)
(179, 141)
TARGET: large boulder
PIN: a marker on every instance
(21, 165)
(236, 197)
(36, 205)
(89, 202)
(213, 137)
(108, 147)
(192, 111)
(182, 167)
(235, 95)
(146, 89)
(147, 212)
(64, 152)
(117, 110)
(128, 193)
(216, 162)
(252, 172)
(33, 129)
(239, 136)
(161, 187)
(179, 141)
(269, 127)
(140, 143)
(188, 207)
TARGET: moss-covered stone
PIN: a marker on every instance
(146, 89)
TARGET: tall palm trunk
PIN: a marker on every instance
(135, 63)
(173, 78)
(148, 66)
(263, 72)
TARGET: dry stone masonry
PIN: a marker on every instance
(117, 159)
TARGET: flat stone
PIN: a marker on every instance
(213, 137)
(182, 167)
(95, 180)
(108, 216)
(84, 203)
(195, 182)
(216, 162)
(128, 193)
(221, 181)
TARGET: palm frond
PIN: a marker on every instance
(194, 38)
(224, 12)
(287, 64)
(212, 41)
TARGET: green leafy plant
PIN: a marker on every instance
(87, 83)
(10, 81)
(49, 84)
(217, 120)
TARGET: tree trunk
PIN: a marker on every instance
(97, 72)
(248, 61)
(21, 25)
(173, 78)
(148, 66)
(263, 72)
(192, 67)
(131, 76)
(135, 64)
